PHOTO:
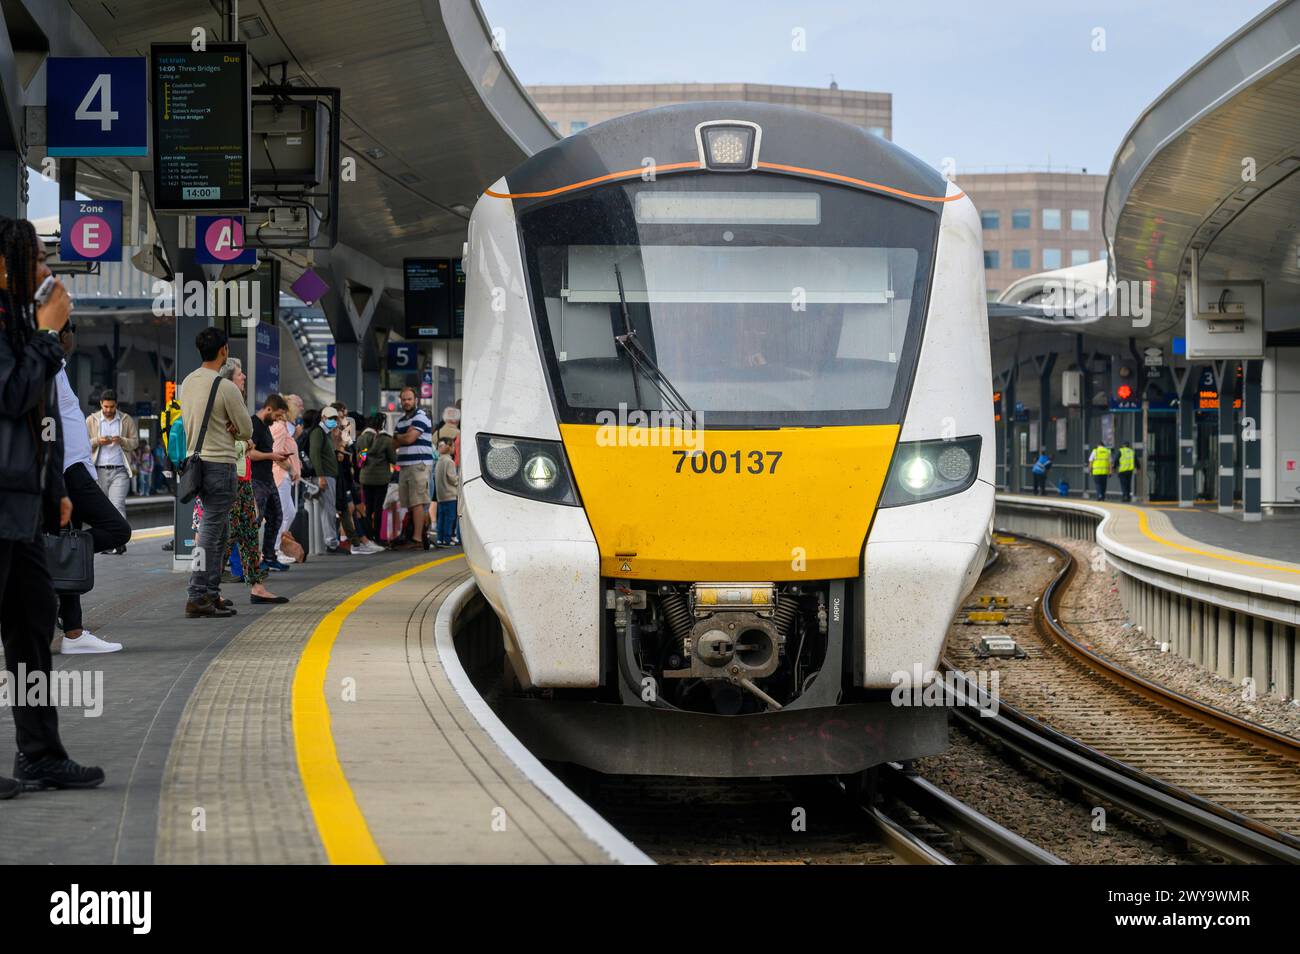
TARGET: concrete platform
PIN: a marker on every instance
(1260, 557)
(324, 730)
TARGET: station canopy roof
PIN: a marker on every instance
(1214, 164)
(431, 112)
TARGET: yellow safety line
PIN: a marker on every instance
(154, 535)
(1150, 534)
(342, 827)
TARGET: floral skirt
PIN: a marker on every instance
(243, 532)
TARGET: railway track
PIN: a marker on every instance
(898, 819)
(1205, 775)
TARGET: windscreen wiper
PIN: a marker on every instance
(642, 362)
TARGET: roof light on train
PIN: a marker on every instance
(728, 145)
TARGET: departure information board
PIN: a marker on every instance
(200, 126)
(458, 298)
(427, 283)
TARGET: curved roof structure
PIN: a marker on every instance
(1212, 166)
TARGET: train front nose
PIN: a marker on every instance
(705, 505)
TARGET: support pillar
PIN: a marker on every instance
(347, 376)
(1010, 446)
(1185, 381)
(1279, 661)
(1259, 653)
(1225, 651)
(13, 185)
(1252, 408)
(1240, 647)
(1226, 380)
(1045, 401)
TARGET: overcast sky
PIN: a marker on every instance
(986, 82)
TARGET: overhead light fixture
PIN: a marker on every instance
(461, 209)
(410, 178)
(1249, 191)
(252, 28)
(374, 152)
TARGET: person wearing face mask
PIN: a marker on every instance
(320, 448)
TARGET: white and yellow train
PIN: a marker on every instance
(727, 458)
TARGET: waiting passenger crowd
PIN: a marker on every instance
(247, 476)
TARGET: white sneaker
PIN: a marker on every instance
(87, 642)
(359, 550)
(284, 557)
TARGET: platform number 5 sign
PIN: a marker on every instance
(96, 106)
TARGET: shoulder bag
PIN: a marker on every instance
(191, 468)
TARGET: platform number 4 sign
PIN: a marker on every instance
(101, 89)
(96, 106)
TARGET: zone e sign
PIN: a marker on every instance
(95, 106)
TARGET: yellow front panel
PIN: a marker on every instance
(801, 516)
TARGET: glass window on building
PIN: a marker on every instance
(877, 131)
(577, 125)
(1101, 256)
(1079, 256)
(1020, 258)
(1078, 220)
(991, 259)
(1051, 258)
(1052, 219)
(990, 220)
(1020, 219)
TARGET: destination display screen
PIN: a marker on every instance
(200, 126)
(427, 283)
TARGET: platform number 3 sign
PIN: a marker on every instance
(96, 106)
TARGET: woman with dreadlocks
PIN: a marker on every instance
(32, 498)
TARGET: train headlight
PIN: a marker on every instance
(527, 468)
(540, 472)
(925, 470)
(916, 475)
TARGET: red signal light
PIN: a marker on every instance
(1124, 392)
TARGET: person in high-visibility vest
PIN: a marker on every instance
(1099, 463)
(1127, 464)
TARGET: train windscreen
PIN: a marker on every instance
(752, 301)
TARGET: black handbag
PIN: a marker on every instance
(191, 480)
(70, 556)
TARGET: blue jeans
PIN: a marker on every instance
(446, 521)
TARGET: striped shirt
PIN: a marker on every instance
(421, 450)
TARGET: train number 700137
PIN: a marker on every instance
(720, 462)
